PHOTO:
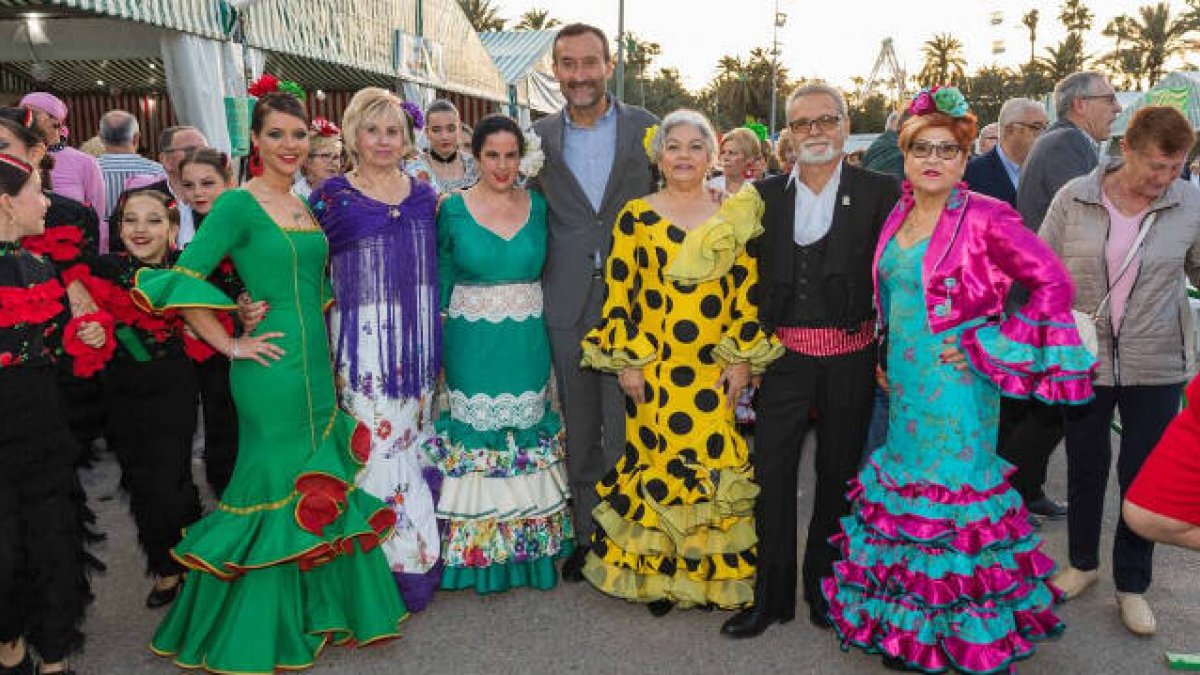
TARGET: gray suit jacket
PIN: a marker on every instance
(1062, 153)
(576, 230)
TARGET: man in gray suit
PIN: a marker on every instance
(1086, 106)
(595, 163)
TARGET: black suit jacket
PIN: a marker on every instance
(864, 200)
(986, 175)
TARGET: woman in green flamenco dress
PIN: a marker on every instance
(289, 560)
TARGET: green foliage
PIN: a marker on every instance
(536, 19)
(741, 91)
(944, 62)
(1146, 42)
(483, 15)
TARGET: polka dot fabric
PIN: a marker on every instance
(675, 519)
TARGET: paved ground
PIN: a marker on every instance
(574, 629)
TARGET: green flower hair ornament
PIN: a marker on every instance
(759, 130)
(943, 99)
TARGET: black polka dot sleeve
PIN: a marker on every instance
(617, 342)
(745, 340)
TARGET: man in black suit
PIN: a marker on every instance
(815, 293)
(996, 173)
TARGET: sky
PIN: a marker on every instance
(833, 40)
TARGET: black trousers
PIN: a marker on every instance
(1145, 413)
(151, 419)
(220, 422)
(834, 394)
(1029, 432)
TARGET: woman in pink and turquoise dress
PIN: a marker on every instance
(940, 568)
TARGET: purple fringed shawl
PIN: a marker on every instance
(384, 258)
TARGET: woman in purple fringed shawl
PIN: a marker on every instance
(384, 324)
(940, 568)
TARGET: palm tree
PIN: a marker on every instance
(1064, 58)
(537, 19)
(1076, 17)
(944, 62)
(1144, 44)
(1030, 21)
(482, 14)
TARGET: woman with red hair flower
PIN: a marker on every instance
(290, 560)
(940, 568)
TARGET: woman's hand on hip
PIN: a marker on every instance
(256, 348)
(735, 379)
(633, 383)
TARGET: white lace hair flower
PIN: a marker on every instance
(534, 158)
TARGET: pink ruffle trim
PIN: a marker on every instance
(935, 493)
(949, 651)
(987, 582)
(971, 538)
(1051, 384)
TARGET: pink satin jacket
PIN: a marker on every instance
(979, 247)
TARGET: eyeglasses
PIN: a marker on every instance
(324, 156)
(1035, 127)
(923, 149)
(186, 148)
(1110, 99)
(825, 123)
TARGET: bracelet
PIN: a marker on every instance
(233, 349)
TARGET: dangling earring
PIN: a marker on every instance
(254, 163)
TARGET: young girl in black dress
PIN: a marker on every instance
(204, 174)
(149, 390)
(44, 587)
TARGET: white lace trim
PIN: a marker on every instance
(516, 302)
(490, 413)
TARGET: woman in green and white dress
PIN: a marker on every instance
(504, 494)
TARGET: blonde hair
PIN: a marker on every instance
(365, 104)
(783, 145)
(744, 141)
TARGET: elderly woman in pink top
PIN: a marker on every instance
(940, 568)
(75, 174)
(1129, 232)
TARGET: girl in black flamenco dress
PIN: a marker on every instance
(44, 586)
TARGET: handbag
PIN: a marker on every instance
(1085, 323)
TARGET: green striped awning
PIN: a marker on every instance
(103, 75)
(202, 17)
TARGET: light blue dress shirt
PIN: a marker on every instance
(589, 153)
(1013, 169)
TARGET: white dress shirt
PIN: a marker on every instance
(814, 212)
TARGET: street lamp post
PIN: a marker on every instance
(620, 50)
(780, 20)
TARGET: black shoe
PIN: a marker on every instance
(1047, 508)
(897, 663)
(161, 597)
(572, 567)
(25, 667)
(750, 622)
(660, 607)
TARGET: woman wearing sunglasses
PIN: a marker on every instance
(940, 568)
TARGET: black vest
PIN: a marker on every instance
(809, 307)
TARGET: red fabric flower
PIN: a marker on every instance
(321, 500)
(325, 128)
(36, 304)
(88, 360)
(263, 85)
(59, 243)
(360, 443)
(7, 359)
(75, 273)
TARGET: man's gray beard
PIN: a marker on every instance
(807, 156)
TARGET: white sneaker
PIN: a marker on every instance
(1073, 581)
(1136, 613)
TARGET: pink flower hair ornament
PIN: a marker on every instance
(943, 98)
(324, 128)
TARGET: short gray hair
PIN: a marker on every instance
(1072, 87)
(118, 127)
(690, 118)
(1015, 107)
(825, 90)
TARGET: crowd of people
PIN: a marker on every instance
(579, 351)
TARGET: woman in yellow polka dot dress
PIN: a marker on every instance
(675, 521)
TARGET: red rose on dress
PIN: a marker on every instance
(6, 359)
(59, 243)
(360, 443)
